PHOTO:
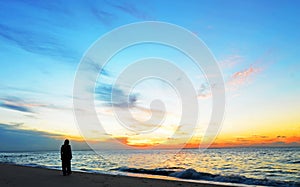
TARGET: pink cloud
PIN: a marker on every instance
(242, 77)
(239, 78)
(234, 82)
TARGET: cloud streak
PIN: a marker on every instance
(16, 104)
(49, 34)
(204, 92)
(20, 105)
(103, 16)
(129, 9)
(231, 61)
(15, 107)
(38, 42)
(41, 34)
(120, 99)
(244, 76)
(235, 80)
(259, 140)
(241, 77)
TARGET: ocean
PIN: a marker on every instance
(250, 166)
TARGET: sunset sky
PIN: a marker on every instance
(256, 44)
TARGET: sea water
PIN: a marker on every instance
(253, 166)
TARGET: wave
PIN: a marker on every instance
(15, 156)
(40, 166)
(195, 175)
(87, 170)
(296, 162)
(34, 165)
(157, 171)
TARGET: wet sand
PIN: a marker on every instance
(12, 175)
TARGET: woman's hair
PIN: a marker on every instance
(66, 142)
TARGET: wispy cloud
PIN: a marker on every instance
(264, 140)
(235, 80)
(26, 90)
(15, 107)
(120, 99)
(252, 141)
(204, 91)
(39, 42)
(103, 16)
(28, 106)
(129, 8)
(259, 65)
(241, 77)
(233, 83)
(109, 94)
(48, 33)
(92, 66)
(244, 76)
(36, 34)
(108, 12)
(231, 61)
(14, 103)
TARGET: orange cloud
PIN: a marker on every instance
(196, 142)
(248, 141)
(258, 141)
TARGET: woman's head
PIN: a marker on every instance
(66, 142)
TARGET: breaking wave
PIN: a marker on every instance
(195, 175)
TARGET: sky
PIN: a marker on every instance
(255, 43)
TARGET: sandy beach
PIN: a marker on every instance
(12, 175)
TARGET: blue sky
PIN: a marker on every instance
(256, 44)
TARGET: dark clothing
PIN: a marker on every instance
(66, 156)
(66, 167)
(65, 152)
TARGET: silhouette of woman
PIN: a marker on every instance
(66, 156)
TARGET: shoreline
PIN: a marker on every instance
(17, 175)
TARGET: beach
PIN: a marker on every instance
(13, 175)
